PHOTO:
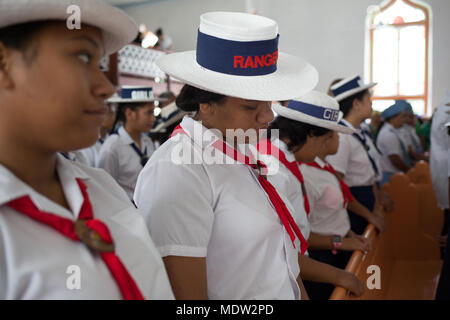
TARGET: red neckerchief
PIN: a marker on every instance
(348, 197)
(292, 167)
(95, 231)
(280, 207)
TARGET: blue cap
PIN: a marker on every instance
(405, 105)
(398, 107)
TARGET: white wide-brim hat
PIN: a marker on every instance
(349, 87)
(237, 55)
(315, 108)
(118, 29)
(134, 94)
(169, 115)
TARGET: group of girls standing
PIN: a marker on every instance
(236, 229)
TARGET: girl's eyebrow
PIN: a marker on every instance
(90, 40)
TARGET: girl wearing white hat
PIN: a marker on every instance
(354, 163)
(304, 127)
(68, 231)
(124, 154)
(222, 229)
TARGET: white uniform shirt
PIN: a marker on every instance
(410, 138)
(287, 184)
(34, 258)
(390, 143)
(376, 156)
(92, 153)
(217, 211)
(404, 135)
(440, 153)
(120, 160)
(328, 215)
(352, 160)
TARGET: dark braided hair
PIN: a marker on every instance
(191, 97)
(296, 132)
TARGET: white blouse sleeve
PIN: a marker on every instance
(389, 143)
(177, 204)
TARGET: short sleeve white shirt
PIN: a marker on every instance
(218, 211)
(390, 143)
(36, 260)
(415, 140)
(374, 153)
(286, 183)
(92, 153)
(405, 136)
(410, 138)
(352, 160)
(328, 215)
(121, 161)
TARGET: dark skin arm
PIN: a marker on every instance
(398, 162)
(187, 277)
(417, 156)
(303, 292)
(376, 218)
(349, 243)
(384, 199)
(313, 270)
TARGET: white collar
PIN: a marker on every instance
(389, 126)
(280, 144)
(126, 138)
(202, 136)
(205, 138)
(319, 162)
(11, 187)
(348, 124)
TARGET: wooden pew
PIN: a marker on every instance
(408, 251)
(431, 216)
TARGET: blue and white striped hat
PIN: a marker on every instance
(349, 87)
(237, 55)
(316, 108)
(134, 94)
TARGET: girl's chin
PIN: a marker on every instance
(86, 141)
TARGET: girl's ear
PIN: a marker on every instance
(356, 104)
(129, 114)
(5, 65)
(207, 109)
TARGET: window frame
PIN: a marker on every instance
(426, 24)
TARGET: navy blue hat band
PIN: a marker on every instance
(348, 86)
(314, 111)
(240, 58)
(136, 93)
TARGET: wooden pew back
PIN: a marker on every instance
(408, 251)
